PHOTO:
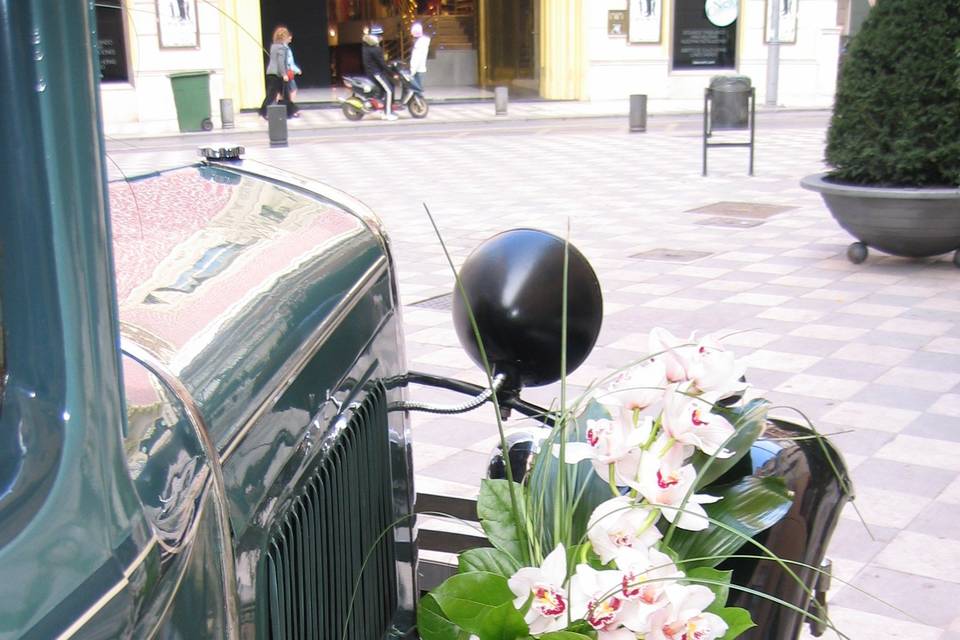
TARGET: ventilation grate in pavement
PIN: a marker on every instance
(672, 255)
(437, 303)
(735, 223)
(742, 209)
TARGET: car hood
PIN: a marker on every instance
(225, 272)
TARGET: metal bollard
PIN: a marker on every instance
(500, 98)
(277, 125)
(226, 113)
(638, 112)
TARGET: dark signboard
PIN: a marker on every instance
(699, 43)
(110, 41)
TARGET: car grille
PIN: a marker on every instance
(318, 548)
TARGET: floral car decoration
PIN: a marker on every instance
(616, 530)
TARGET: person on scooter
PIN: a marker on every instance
(376, 67)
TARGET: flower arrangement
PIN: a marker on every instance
(616, 530)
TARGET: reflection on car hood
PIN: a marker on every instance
(224, 275)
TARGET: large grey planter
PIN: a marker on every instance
(914, 223)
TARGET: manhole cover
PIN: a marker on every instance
(730, 222)
(438, 303)
(671, 255)
(742, 209)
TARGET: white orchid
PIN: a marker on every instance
(596, 598)
(610, 442)
(684, 618)
(619, 523)
(646, 575)
(665, 482)
(636, 388)
(713, 369)
(689, 420)
(543, 587)
(675, 353)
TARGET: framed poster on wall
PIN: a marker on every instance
(705, 38)
(177, 24)
(616, 23)
(645, 19)
(781, 15)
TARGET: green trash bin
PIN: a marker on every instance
(191, 93)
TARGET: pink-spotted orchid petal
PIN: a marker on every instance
(646, 576)
(685, 618)
(543, 587)
(714, 369)
(595, 598)
(689, 420)
(610, 442)
(675, 353)
(619, 523)
(665, 481)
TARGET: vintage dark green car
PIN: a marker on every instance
(203, 460)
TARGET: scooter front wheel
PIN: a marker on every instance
(351, 112)
(418, 106)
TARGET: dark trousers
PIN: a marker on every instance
(277, 87)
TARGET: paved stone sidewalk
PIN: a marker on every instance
(330, 116)
(871, 351)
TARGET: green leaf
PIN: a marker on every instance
(712, 577)
(749, 506)
(564, 635)
(489, 560)
(497, 518)
(481, 603)
(748, 422)
(738, 620)
(431, 622)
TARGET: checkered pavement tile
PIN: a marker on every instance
(870, 352)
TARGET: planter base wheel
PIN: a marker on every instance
(857, 252)
(207, 124)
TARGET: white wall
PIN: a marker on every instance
(147, 100)
(807, 71)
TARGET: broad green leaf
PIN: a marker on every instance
(496, 517)
(564, 635)
(432, 624)
(503, 623)
(737, 619)
(489, 560)
(712, 577)
(481, 603)
(749, 506)
(748, 421)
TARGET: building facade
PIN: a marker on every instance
(554, 49)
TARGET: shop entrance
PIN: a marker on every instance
(511, 45)
(307, 21)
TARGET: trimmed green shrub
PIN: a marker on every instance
(896, 118)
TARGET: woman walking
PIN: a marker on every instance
(279, 73)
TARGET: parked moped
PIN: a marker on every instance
(367, 96)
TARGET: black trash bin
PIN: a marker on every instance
(730, 102)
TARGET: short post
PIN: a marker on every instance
(638, 112)
(500, 98)
(277, 125)
(226, 113)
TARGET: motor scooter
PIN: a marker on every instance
(367, 95)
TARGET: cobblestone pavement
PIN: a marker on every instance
(870, 351)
